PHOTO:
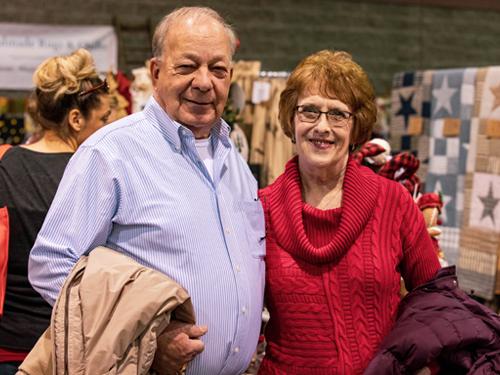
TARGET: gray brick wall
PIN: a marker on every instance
(384, 38)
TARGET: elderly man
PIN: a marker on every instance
(166, 187)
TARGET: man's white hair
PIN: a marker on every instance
(166, 23)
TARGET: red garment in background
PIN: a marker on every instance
(124, 89)
(8, 355)
(4, 254)
(4, 243)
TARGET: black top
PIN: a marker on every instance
(28, 183)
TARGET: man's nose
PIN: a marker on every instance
(202, 79)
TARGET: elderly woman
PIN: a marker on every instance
(70, 102)
(339, 237)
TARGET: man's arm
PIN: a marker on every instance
(79, 219)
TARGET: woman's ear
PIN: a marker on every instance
(75, 120)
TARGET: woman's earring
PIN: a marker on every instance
(353, 147)
(293, 139)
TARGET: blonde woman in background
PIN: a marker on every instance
(70, 102)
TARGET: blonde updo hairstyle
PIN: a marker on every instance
(335, 75)
(60, 86)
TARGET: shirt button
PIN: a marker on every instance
(228, 231)
(238, 269)
(244, 310)
(237, 349)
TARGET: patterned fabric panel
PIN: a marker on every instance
(477, 264)
(411, 110)
(488, 103)
(406, 103)
(452, 108)
(424, 139)
(480, 239)
(449, 241)
(485, 207)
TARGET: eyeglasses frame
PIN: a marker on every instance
(341, 124)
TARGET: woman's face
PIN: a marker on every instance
(323, 143)
(96, 119)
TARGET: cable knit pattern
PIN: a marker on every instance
(332, 276)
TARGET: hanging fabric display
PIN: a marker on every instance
(118, 103)
(450, 119)
(406, 104)
(141, 88)
(269, 148)
(452, 105)
(485, 202)
(478, 265)
(245, 73)
(278, 148)
(410, 115)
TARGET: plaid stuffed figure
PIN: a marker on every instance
(402, 168)
(367, 150)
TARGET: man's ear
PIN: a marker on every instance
(154, 69)
(75, 120)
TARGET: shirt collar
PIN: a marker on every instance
(175, 133)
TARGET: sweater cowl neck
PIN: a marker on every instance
(360, 190)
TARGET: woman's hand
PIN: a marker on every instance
(177, 346)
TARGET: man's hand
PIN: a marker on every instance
(177, 345)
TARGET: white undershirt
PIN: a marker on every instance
(206, 153)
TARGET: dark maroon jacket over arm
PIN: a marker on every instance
(439, 322)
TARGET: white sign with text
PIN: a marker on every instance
(24, 46)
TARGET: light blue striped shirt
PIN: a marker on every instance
(138, 186)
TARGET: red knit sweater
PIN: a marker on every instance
(333, 277)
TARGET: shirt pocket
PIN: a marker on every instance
(253, 217)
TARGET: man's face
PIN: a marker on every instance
(192, 78)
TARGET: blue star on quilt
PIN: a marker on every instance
(489, 203)
(406, 109)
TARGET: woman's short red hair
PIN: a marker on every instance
(334, 74)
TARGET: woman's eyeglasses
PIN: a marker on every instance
(335, 117)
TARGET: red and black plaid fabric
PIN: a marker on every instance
(402, 168)
(403, 161)
(368, 149)
(411, 184)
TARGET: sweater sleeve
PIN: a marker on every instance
(420, 262)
